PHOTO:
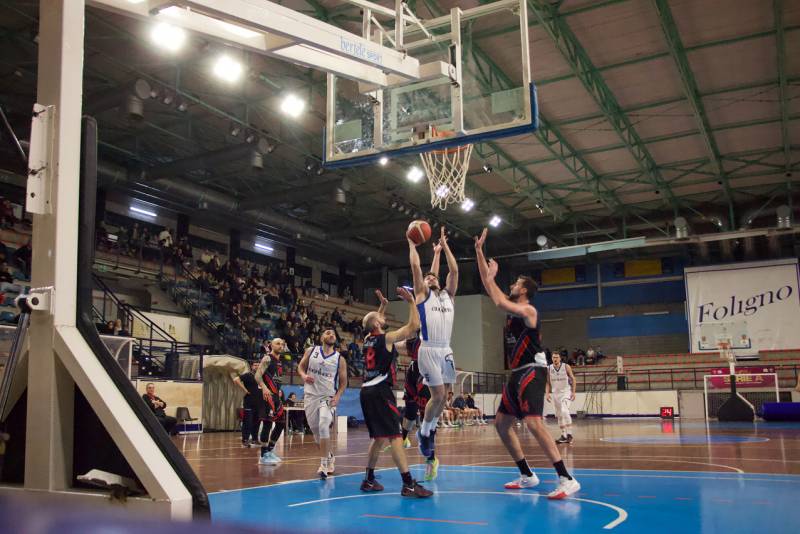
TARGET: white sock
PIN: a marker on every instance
(426, 427)
(564, 432)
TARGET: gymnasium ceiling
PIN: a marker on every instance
(650, 109)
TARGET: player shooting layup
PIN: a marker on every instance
(523, 394)
(324, 374)
(436, 364)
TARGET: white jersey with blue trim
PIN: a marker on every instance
(436, 318)
(325, 370)
(559, 379)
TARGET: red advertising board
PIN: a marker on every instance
(747, 377)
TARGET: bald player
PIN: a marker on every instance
(268, 376)
(378, 400)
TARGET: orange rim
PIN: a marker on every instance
(437, 134)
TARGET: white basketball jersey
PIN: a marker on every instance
(559, 379)
(325, 370)
(436, 317)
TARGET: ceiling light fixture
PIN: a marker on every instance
(292, 105)
(495, 221)
(415, 174)
(227, 69)
(169, 37)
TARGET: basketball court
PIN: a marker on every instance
(634, 163)
(636, 475)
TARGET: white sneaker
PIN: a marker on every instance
(523, 482)
(268, 458)
(566, 487)
(323, 470)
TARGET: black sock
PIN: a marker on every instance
(407, 480)
(524, 468)
(370, 474)
(405, 434)
(561, 470)
(432, 457)
(264, 450)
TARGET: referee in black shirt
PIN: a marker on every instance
(252, 397)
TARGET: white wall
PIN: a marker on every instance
(177, 326)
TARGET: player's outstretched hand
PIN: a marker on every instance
(548, 397)
(492, 268)
(309, 379)
(572, 396)
(442, 238)
(405, 294)
(479, 241)
(381, 299)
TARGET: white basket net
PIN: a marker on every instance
(447, 172)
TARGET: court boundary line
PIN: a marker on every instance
(622, 515)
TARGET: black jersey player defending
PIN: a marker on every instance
(377, 398)
(523, 394)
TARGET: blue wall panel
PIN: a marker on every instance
(654, 292)
(566, 299)
(638, 325)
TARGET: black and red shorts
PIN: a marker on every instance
(523, 394)
(272, 409)
(380, 411)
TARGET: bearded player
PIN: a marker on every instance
(435, 360)
(268, 377)
(324, 375)
(523, 394)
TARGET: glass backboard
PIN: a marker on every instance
(475, 85)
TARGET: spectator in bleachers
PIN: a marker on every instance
(580, 356)
(22, 258)
(5, 275)
(591, 356)
(7, 218)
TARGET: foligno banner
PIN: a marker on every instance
(756, 305)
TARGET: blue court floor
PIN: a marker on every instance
(472, 499)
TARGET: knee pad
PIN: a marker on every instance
(325, 420)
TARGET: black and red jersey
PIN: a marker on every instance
(378, 360)
(412, 347)
(272, 375)
(415, 390)
(528, 345)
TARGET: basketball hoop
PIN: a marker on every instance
(446, 170)
(725, 350)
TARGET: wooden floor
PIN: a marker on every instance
(640, 444)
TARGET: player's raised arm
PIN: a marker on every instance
(416, 270)
(412, 325)
(437, 253)
(451, 285)
(488, 271)
(383, 302)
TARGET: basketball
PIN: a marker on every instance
(418, 232)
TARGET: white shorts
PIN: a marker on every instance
(436, 365)
(320, 416)
(561, 405)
